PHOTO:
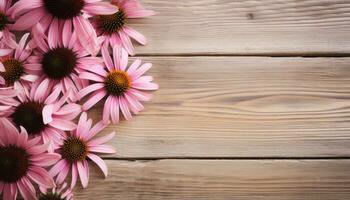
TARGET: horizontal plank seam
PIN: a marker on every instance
(306, 55)
(227, 158)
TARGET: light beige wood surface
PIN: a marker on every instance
(244, 27)
(241, 107)
(221, 179)
(223, 127)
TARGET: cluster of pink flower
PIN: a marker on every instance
(47, 73)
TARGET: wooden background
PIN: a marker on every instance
(254, 103)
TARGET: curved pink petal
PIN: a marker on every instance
(41, 177)
(100, 163)
(101, 140)
(96, 97)
(29, 19)
(83, 169)
(102, 149)
(101, 8)
(135, 35)
(47, 113)
(63, 124)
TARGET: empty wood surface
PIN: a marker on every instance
(221, 179)
(246, 27)
(241, 107)
(223, 127)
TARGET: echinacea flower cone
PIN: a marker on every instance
(22, 163)
(114, 27)
(6, 36)
(123, 86)
(78, 146)
(43, 112)
(54, 14)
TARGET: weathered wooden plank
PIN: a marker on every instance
(221, 179)
(246, 27)
(241, 107)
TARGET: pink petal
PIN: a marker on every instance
(89, 89)
(102, 149)
(63, 174)
(134, 104)
(139, 95)
(124, 108)
(96, 97)
(74, 175)
(141, 70)
(96, 129)
(53, 33)
(29, 19)
(47, 113)
(135, 35)
(63, 124)
(101, 140)
(133, 67)
(100, 8)
(86, 33)
(124, 59)
(99, 162)
(107, 110)
(57, 168)
(38, 149)
(107, 58)
(4, 52)
(42, 90)
(91, 77)
(45, 160)
(68, 111)
(41, 177)
(22, 138)
(67, 32)
(145, 86)
(83, 169)
(10, 191)
(26, 193)
(140, 13)
(115, 110)
(126, 43)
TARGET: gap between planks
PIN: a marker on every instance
(286, 55)
(224, 158)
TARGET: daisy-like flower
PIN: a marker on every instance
(52, 14)
(42, 111)
(114, 27)
(77, 147)
(5, 35)
(123, 86)
(61, 192)
(22, 163)
(59, 58)
(14, 67)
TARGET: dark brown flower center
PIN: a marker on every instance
(74, 149)
(111, 23)
(13, 71)
(64, 9)
(14, 163)
(59, 62)
(29, 115)
(3, 21)
(117, 83)
(50, 196)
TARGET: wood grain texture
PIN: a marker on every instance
(244, 27)
(221, 179)
(241, 107)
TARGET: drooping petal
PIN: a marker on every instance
(99, 162)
